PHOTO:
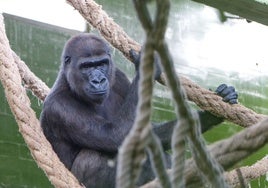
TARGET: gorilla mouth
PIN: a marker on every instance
(98, 96)
(98, 93)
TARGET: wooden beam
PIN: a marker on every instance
(250, 9)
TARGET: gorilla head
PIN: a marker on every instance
(88, 67)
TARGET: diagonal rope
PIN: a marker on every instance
(204, 98)
(190, 130)
(228, 152)
(29, 126)
(208, 101)
(141, 136)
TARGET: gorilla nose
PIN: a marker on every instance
(99, 83)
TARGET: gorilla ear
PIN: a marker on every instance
(67, 59)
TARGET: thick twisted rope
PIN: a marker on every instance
(247, 173)
(31, 82)
(234, 149)
(28, 124)
(228, 152)
(115, 34)
(204, 98)
(131, 153)
(246, 114)
(190, 129)
(141, 136)
(155, 31)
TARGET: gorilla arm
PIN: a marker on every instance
(164, 130)
(207, 120)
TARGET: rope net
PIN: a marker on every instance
(16, 77)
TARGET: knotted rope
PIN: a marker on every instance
(29, 125)
(228, 152)
(187, 130)
(141, 136)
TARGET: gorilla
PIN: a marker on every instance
(91, 109)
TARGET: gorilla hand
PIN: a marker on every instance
(228, 93)
(137, 58)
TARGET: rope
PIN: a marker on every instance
(228, 152)
(28, 124)
(247, 173)
(132, 150)
(141, 136)
(155, 32)
(205, 99)
(108, 28)
(189, 129)
(31, 82)
(232, 150)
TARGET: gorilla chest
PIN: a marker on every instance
(107, 112)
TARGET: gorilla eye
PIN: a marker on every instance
(100, 64)
(86, 65)
(104, 62)
(67, 59)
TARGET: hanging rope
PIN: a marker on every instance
(228, 152)
(204, 98)
(141, 136)
(155, 33)
(30, 81)
(30, 128)
(26, 119)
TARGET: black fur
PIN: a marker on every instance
(91, 109)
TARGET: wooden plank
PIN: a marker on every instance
(250, 9)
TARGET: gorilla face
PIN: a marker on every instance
(88, 68)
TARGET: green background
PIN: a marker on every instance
(40, 46)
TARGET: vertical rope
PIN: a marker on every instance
(204, 98)
(208, 167)
(157, 160)
(141, 133)
(155, 32)
(29, 126)
(131, 151)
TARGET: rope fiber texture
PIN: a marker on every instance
(29, 125)
(204, 98)
(141, 136)
(209, 168)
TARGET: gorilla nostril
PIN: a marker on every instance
(103, 80)
(95, 82)
(98, 81)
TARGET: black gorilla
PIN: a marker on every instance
(91, 109)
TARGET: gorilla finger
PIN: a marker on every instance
(231, 101)
(133, 54)
(135, 57)
(227, 91)
(220, 88)
(231, 98)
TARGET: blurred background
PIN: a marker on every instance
(205, 49)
